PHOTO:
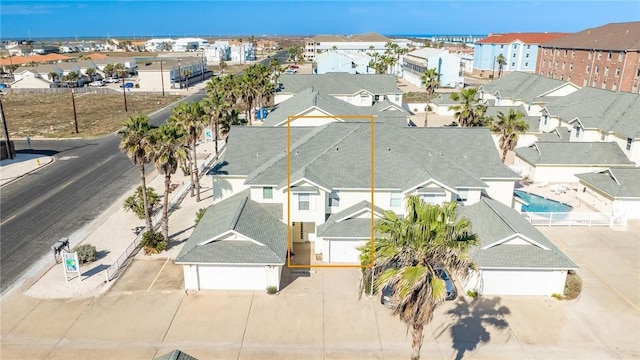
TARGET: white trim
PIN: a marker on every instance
(415, 187)
(358, 212)
(513, 236)
(228, 232)
(310, 182)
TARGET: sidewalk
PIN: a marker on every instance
(22, 164)
(115, 233)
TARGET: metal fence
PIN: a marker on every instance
(78, 90)
(573, 219)
(113, 270)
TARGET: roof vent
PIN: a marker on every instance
(258, 154)
(337, 149)
(388, 149)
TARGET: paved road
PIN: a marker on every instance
(59, 200)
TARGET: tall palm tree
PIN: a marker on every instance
(90, 72)
(168, 148)
(53, 76)
(134, 141)
(470, 112)
(186, 73)
(407, 252)
(215, 105)
(191, 118)
(430, 80)
(502, 61)
(296, 54)
(509, 127)
(248, 93)
(109, 70)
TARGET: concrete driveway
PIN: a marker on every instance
(318, 315)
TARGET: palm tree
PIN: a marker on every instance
(90, 72)
(109, 70)
(296, 54)
(167, 144)
(248, 93)
(121, 70)
(53, 76)
(470, 112)
(223, 67)
(502, 61)
(134, 141)
(186, 73)
(191, 118)
(215, 105)
(407, 252)
(277, 70)
(509, 127)
(430, 80)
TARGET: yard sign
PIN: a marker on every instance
(70, 265)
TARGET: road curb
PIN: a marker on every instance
(42, 165)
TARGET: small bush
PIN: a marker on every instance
(152, 242)
(200, 214)
(272, 290)
(135, 202)
(472, 293)
(86, 253)
(557, 296)
(573, 286)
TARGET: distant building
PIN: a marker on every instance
(165, 44)
(169, 73)
(605, 57)
(520, 51)
(338, 61)
(220, 50)
(189, 44)
(449, 67)
(352, 43)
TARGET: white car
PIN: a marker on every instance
(111, 80)
(96, 83)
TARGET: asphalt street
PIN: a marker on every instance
(60, 199)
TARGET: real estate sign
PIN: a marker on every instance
(71, 265)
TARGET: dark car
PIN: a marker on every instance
(127, 85)
(387, 291)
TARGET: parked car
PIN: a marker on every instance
(291, 71)
(96, 83)
(387, 291)
(111, 80)
(127, 85)
(293, 66)
(3, 86)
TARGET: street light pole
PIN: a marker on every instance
(180, 73)
(75, 115)
(202, 65)
(6, 131)
(493, 70)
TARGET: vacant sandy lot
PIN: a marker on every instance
(51, 115)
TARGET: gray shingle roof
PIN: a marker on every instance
(176, 355)
(340, 83)
(524, 86)
(573, 153)
(311, 98)
(246, 217)
(495, 222)
(611, 111)
(532, 121)
(338, 156)
(615, 182)
(353, 227)
(558, 134)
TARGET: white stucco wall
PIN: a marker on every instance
(517, 282)
(224, 187)
(153, 80)
(500, 190)
(278, 98)
(557, 174)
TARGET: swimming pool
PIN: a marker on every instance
(538, 203)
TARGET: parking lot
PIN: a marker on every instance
(318, 314)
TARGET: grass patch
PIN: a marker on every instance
(51, 115)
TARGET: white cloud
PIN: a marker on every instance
(30, 9)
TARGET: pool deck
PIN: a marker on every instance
(570, 197)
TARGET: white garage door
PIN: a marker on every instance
(233, 277)
(345, 251)
(522, 282)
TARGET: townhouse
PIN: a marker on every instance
(448, 66)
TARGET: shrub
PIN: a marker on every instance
(557, 296)
(135, 202)
(152, 242)
(472, 293)
(573, 286)
(86, 253)
(200, 214)
(272, 290)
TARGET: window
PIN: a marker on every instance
(545, 51)
(396, 200)
(606, 71)
(513, 64)
(588, 69)
(604, 85)
(609, 55)
(546, 118)
(501, 46)
(570, 66)
(515, 46)
(617, 72)
(594, 83)
(563, 64)
(303, 202)
(514, 55)
(267, 192)
(603, 136)
(566, 52)
(544, 63)
(584, 82)
(334, 199)
(528, 46)
(578, 128)
(397, 97)
(590, 54)
(527, 56)
(569, 78)
(635, 88)
(614, 87)
(637, 72)
(526, 64)
(599, 55)
(629, 142)
(463, 194)
(431, 199)
(597, 69)
(620, 55)
(363, 99)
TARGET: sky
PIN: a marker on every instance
(139, 18)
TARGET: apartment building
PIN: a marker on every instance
(605, 57)
(352, 43)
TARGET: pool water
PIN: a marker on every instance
(538, 203)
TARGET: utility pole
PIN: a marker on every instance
(162, 78)
(6, 131)
(493, 70)
(75, 115)
(202, 65)
(124, 92)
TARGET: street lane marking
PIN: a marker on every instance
(158, 274)
(67, 184)
(2, 223)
